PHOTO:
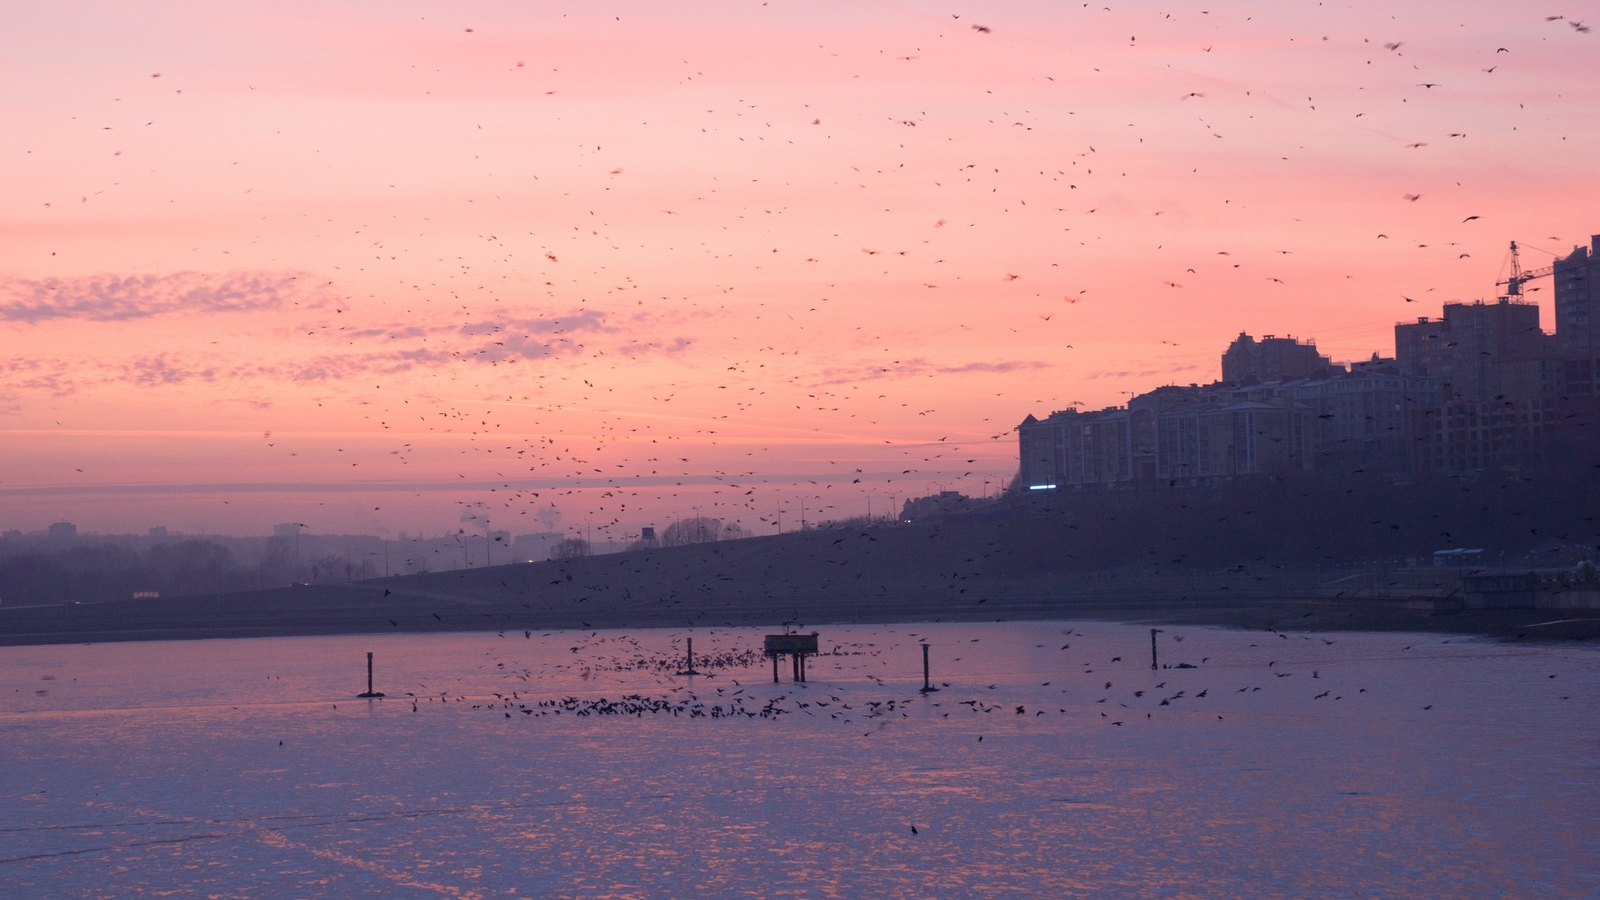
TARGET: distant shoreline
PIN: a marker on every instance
(361, 608)
(959, 570)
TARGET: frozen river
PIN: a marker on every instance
(1053, 762)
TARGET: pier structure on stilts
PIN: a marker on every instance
(795, 646)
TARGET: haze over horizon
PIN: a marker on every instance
(404, 267)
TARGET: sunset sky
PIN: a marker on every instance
(385, 267)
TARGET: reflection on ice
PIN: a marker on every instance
(1053, 761)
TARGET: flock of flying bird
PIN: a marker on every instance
(543, 330)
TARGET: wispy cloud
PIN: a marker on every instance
(151, 371)
(37, 374)
(911, 368)
(114, 298)
(1013, 366)
(336, 355)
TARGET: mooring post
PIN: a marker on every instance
(370, 692)
(927, 686)
(688, 659)
(1153, 633)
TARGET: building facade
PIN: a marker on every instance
(1188, 435)
(1464, 348)
(1577, 290)
(1249, 361)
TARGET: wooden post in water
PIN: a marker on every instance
(688, 660)
(1153, 633)
(370, 692)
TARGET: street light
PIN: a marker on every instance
(297, 527)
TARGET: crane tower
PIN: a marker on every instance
(1519, 276)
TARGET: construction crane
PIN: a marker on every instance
(1519, 276)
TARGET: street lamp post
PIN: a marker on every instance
(297, 527)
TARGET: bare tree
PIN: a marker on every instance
(570, 548)
(699, 530)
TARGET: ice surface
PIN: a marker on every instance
(1284, 765)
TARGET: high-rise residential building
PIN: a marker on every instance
(1464, 347)
(1249, 361)
(1578, 302)
(1577, 287)
(1310, 414)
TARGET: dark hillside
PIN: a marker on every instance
(1257, 552)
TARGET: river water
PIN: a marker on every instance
(1052, 762)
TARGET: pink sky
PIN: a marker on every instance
(356, 265)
